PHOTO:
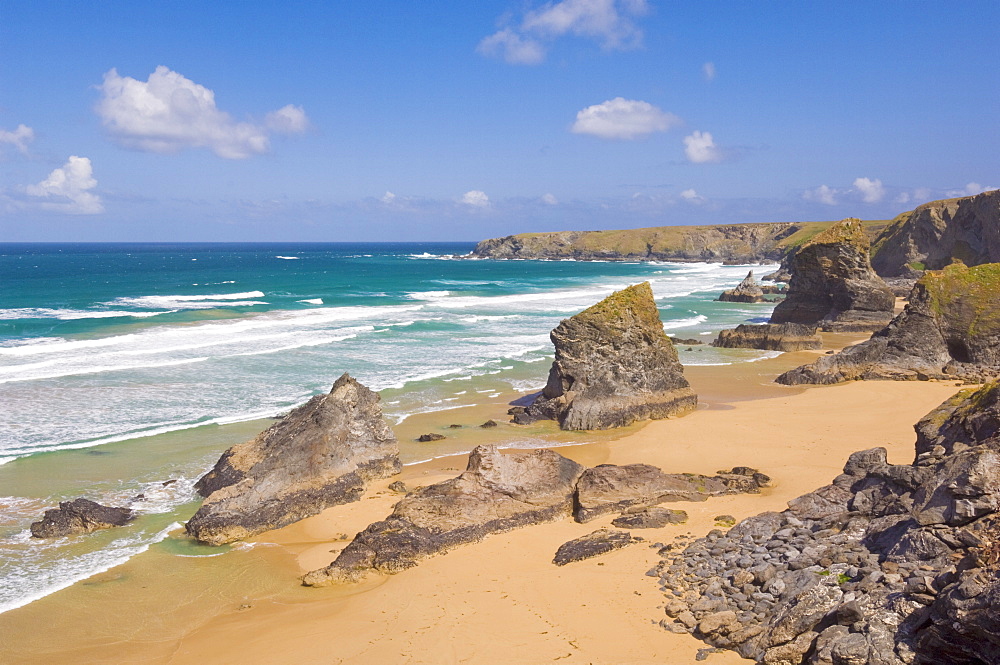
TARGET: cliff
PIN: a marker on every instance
(933, 235)
(949, 329)
(733, 243)
(614, 365)
(320, 455)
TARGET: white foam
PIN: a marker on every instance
(71, 314)
(289, 258)
(313, 301)
(684, 323)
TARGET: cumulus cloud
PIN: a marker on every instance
(388, 198)
(691, 196)
(700, 148)
(871, 191)
(621, 118)
(19, 138)
(708, 71)
(169, 112)
(970, 189)
(610, 22)
(821, 194)
(549, 199)
(475, 198)
(67, 189)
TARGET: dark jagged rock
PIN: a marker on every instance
(614, 366)
(679, 341)
(320, 455)
(935, 234)
(488, 424)
(889, 564)
(398, 486)
(425, 438)
(770, 337)
(949, 329)
(79, 516)
(748, 291)
(593, 544)
(608, 488)
(497, 492)
(833, 285)
(650, 517)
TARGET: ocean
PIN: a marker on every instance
(125, 369)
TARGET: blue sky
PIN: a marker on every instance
(336, 121)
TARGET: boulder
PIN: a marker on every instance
(641, 517)
(79, 516)
(889, 564)
(497, 492)
(748, 291)
(613, 366)
(593, 544)
(770, 337)
(949, 329)
(833, 285)
(320, 455)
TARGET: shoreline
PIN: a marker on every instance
(261, 615)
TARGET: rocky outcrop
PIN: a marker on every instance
(833, 285)
(504, 491)
(593, 544)
(497, 492)
(770, 337)
(79, 516)
(320, 455)
(649, 517)
(889, 564)
(614, 365)
(949, 329)
(935, 234)
(747, 291)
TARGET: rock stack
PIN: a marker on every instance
(949, 329)
(320, 455)
(769, 337)
(748, 291)
(889, 564)
(614, 365)
(80, 516)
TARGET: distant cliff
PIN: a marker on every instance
(733, 243)
(933, 234)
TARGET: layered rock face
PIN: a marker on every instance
(319, 455)
(770, 337)
(748, 291)
(79, 516)
(889, 564)
(949, 329)
(833, 285)
(933, 235)
(614, 365)
(499, 492)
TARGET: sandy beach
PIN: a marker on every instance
(497, 601)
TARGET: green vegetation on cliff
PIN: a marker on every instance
(969, 295)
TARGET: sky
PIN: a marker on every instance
(407, 121)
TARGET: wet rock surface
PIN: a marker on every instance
(321, 454)
(833, 285)
(613, 366)
(593, 544)
(888, 564)
(770, 337)
(79, 516)
(949, 329)
(747, 291)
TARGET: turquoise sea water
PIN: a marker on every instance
(118, 360)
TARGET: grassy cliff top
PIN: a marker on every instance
(961, 291)
(633, 301)
(850, 231)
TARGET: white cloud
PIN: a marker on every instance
(169, 112)
(388, 198)
(67, 189)
(610, 22)
(700, 148)
(19, 138)
(708, 71)
(871, 191)
(691, 196)
(514, 48)
(970, 189)
(821, 194)
(903, 197)
(620, 118)
(476, 199)
(549, 199)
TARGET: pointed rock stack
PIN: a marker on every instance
(320, 455)
(748, 291)
(833, 285)
(614, 365)
(949, 329)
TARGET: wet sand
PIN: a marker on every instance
(497, 601)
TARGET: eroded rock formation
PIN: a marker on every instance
(79, 516)
(320, 455)
(593, 544)
(949, 329)
(614, 365)
(747, 291)
(889, 564)
(833, 285)
(770, 337)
